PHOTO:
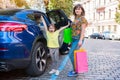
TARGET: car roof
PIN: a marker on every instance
(12, 11)
(95, 33)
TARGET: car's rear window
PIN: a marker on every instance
(8, 12)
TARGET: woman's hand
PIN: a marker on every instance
(80, 43)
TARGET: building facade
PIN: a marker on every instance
(101, 15)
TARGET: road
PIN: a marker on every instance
(103, 63)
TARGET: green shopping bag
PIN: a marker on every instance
(67, 36)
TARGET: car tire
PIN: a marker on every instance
(103, 38)
(38, 60)
(65, 48)
(96, 37)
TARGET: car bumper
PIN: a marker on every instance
(13, 51)
(7, 65)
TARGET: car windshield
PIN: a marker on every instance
(95, 34)
(106, 32)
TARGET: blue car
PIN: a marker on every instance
(96, 36)
(22, 42)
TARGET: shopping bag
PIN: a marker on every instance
(80, 61)
(67, 36)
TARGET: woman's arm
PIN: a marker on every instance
(82, 34)
(83, 25)
(45, 26)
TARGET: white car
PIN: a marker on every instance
(111, 35)
(114, 36)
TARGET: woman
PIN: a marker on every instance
(78, 29)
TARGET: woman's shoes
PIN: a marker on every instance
(72, 74)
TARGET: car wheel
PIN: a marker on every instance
(38, 61)
(89, 37)
(103, 38)
(65, 48)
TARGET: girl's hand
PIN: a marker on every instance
(68, 24)
(80, 43)
(64, 26)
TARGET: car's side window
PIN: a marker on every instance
(31, 16)
(22, 16)
(54, 18)
(57, 18)
(35, 17)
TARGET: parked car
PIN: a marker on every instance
(96, 36)
(111, 35)
(22, 41)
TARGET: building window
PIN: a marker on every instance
(98, 28)
(102, 28)
(116, 9)
(104, 15)
(94, 16)
(109, 13)
(99, 16)
(104, 2)
(99, 2)
(115, 28)
(109, 27)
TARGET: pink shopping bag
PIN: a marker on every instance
(80, 60)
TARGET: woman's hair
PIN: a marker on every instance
(79, 6)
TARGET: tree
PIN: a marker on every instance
(65, 5)
(21, 3)
(117, 15)
(76, 0)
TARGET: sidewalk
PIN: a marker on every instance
(102, 66)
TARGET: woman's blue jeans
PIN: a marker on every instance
(74, 46)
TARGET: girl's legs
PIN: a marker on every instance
(54, 53)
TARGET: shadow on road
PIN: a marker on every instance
(14, 75)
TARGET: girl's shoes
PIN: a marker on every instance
(52, 71)
(72, 73)
(57, 72)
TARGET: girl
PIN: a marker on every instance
(78, 29)
(53, 44)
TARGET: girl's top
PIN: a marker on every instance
(52, 39)
(76, 27)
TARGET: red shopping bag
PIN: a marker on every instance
(80, 61)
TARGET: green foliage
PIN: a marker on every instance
(65, 5)
(76, 0)
(117, 15)
(119, 6)
(21, 3)
(117, 19)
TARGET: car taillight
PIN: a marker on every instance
(3, 49)
(11, 26)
